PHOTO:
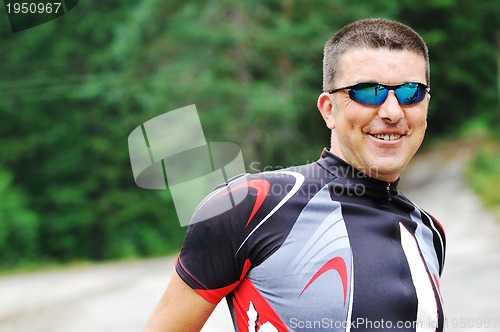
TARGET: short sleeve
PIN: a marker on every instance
(210, 261)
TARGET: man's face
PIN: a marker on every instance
(358, 130)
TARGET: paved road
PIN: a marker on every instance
(116, 297)
(121, 296)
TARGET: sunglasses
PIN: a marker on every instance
(375, 93)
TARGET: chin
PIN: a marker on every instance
(388, 169)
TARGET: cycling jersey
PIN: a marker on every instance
(317, 247)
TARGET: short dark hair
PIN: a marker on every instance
(372, 33)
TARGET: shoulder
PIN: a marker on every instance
(245, 192)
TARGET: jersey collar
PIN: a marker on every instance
(342, 170)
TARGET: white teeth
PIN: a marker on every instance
(388, 137)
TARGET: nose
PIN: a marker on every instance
(390, 110)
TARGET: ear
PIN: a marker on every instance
(326, 107)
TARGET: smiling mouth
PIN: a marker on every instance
(387, 137)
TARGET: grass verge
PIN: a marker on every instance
(483, 174)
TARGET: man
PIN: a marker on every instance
(332, 245)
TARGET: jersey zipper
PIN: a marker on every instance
(388, 188)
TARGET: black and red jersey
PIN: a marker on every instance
(317, 247)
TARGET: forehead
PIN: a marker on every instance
(382, 66)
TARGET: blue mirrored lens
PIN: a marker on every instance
(410, 93)
(370, 95)
(375, 94)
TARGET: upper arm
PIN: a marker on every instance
(180, 309)
(207, 268)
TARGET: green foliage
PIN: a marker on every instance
(65, 139)
(18, 225)
(462, 37)
(74, 88)
(483, 173)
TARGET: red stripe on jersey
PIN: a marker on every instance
(248, 300)
(215, 295)
(436, 281)
(337, 264)
(262, 187)
(440, 225)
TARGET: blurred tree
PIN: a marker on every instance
(65, 139)
(252, 68)
(461, 36)
(18, 225)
